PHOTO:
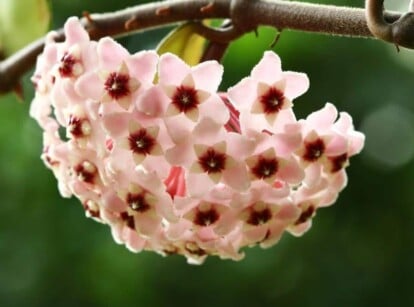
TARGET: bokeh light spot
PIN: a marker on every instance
(389, 136)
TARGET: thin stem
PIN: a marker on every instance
(399, 32)
(214, 49)
(246, 15)
(375, 20)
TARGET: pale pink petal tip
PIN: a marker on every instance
(296, 84)
(110, 53)
(75, 32)
(172, 70)
(269, 68)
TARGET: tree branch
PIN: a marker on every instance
(246, 15)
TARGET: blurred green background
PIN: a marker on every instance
(358, 253)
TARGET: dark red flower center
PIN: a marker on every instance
(272, 101)
(91, 209)
(259, 217)
(206, 218)
(265, 168)
(86, 172)
(170, 250)
(212, 161)
(314, 150)
(79, 127)
(305, 215)
(48, 159)
(185, 98)
(141, 142)
(137, 202)
(66, 65)
(194, 249)
(128, 219)
(117, 85)
(338, 162)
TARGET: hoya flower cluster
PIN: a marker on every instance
(151, 149)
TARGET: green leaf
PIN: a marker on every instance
(21, 22)
(185, 43)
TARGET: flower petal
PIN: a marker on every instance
(111, 54)
(172, 70)
(152, 102)
(90, 86)
(324, 118)
(296, 84)
(74, 32)
(269, 69)
(243, 94)
(143, 66)
(207, 75)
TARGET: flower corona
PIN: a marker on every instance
(153, 150)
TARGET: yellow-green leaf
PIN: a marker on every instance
(185, 43)
(21, 22)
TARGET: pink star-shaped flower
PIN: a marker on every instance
(191, 90)
(268, 92)
(212, 165)
(119, 74)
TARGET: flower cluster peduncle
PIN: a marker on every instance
(151, 148)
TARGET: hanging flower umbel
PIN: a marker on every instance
(176, 167)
